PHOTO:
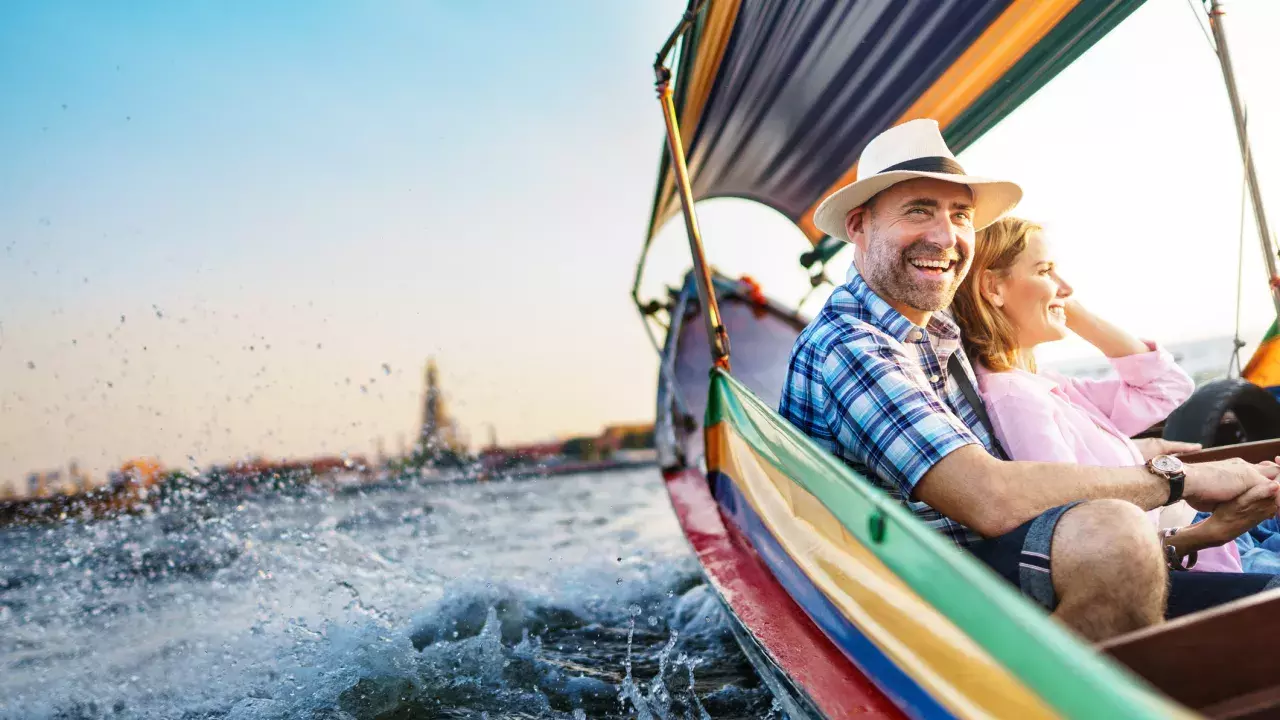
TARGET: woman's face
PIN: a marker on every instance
(1032, 295)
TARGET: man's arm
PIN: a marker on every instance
(880, 412)
(993, 497)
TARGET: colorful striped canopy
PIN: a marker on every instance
(777, 99)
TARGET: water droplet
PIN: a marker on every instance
(386, 369)
(619, 581)
(31, 365)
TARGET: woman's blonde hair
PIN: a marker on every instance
(989, 337)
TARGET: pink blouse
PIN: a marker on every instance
(1049, 417)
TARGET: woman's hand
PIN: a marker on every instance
(1232, 518)
(1075, 312)
(1151, 447)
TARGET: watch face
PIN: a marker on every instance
(1166, 463)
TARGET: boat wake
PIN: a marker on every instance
(565, 598)
(497, 653)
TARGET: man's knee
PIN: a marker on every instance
(1108, 539)
(1108, 572)
(1111, 527)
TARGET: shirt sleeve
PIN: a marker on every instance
(886, 416)
(1028, 430)
(1146, 388)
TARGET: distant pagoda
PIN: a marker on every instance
(439, 434)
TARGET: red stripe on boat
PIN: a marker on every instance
(781, 627)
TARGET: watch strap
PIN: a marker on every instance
(1177, 482)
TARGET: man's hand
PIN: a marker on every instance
(1151, 447)
(1213, 483)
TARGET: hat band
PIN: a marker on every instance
(936, 164)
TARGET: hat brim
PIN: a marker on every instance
(992, 199)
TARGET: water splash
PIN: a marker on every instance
(420, 600)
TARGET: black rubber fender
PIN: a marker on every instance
(1225, 412)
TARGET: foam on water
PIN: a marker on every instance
(563, 598)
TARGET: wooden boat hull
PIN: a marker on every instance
(805, 670)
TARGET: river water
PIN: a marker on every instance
(568, 597)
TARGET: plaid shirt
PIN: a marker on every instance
(872, 388)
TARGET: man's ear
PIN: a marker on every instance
(855, 226)
(993, 288)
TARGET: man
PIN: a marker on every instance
(879, 379)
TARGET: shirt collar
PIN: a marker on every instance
(882, 315)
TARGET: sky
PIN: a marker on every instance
(232, 229)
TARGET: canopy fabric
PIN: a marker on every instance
(1264, 366)
(777, 99)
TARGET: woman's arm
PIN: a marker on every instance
(1228, 521)
(1148, 385)
(1111, 340)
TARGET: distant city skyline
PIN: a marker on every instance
(436, 430)
(233, 231)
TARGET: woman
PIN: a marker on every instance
(1013, 300)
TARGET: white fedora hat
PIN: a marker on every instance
(914, 149)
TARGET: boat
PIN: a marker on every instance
(846, 605)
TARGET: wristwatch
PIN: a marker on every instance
(1171, 469)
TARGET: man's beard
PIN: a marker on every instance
(893, 278)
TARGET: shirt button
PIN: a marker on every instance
(915, 335)
(933, 379)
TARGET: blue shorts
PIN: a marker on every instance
(1023, 557)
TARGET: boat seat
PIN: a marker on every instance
(1217, 662)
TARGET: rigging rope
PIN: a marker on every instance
(1203, 30)
(1233, 365)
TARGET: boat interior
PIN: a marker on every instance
(1195, 660)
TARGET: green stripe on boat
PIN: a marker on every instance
(1071, 677)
